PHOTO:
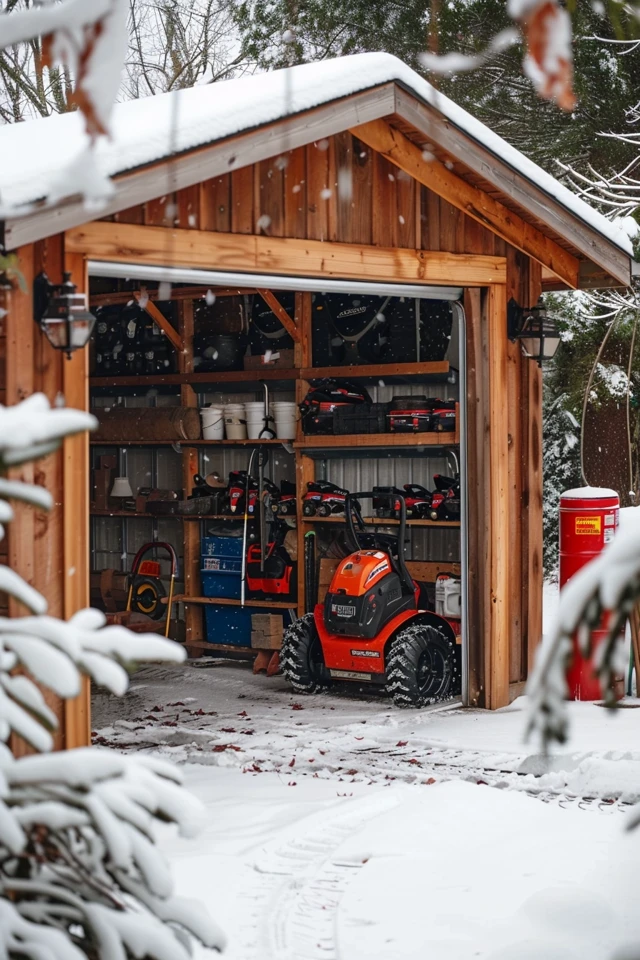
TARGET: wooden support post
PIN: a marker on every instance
(499, 545)
(75, 498)
(190, 466)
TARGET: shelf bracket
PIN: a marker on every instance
(272, 301)
(159, 318)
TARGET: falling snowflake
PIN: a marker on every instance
(263, 222)
(326, 193)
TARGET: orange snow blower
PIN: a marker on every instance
(374, 626)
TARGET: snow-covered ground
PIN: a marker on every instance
(341, 827)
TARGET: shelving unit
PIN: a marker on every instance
(228, 602)
(312, 455)
(380, 522)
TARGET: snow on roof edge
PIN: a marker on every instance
(145, 131)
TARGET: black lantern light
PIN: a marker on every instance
(537, 332)
(61, 313)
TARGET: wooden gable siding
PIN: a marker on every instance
(297, 195)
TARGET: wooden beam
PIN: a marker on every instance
(393, 145)
(500, 547)
(276, 307)
(233, 154)
(133, 244)
(177, 293)
(160, 320)
(511, 183)
(75, 388)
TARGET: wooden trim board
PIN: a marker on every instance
(75, 373)
(163, 247)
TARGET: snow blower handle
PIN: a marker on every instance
(352, 507)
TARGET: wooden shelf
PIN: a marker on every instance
(390, 440)
(188, 443)
(213, 378)
(454, 524)
(228, 602)
(379, 371)
(245, 652)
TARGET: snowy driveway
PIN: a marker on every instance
(343, 828)
(216, 713)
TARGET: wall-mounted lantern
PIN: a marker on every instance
(537, 332)
(61, 313)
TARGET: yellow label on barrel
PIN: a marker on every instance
(589, 525)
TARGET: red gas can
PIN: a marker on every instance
(589, 518)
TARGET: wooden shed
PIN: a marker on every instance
(346, 176)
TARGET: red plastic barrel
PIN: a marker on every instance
(589, 518)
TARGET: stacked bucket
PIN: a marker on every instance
(242, 421)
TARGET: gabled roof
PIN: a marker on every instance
(150, 131)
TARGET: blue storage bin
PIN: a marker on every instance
(228, 625)
(231, 626)
(220, 583)
(229, 548)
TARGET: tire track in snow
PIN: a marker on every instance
(298, 884)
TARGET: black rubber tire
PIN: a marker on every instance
(146, 597)
(301, 657)
(308, 509)
(422, 667)
(324, 510)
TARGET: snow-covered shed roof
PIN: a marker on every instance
(150, 130)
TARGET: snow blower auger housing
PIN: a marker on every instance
(371, 627)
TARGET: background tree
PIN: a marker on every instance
(171, 44)
(276, 32)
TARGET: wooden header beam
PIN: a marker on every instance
(397, 148)
(133, 244)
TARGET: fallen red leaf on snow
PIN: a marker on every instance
(402, 743)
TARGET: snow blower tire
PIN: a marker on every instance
(423, 666)
(301, 657)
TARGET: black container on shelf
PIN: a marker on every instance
(220, 338)
(361, 418)
(323, 398)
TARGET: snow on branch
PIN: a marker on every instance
(88, 38)
(545, 27)
(80, 849)
(80, 874)
(610, 584)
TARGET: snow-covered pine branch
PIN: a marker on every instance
(610, 583)
(80, 875)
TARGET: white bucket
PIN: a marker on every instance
(212, 423)
(285, 414)
(234, 421)
(254, 415)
